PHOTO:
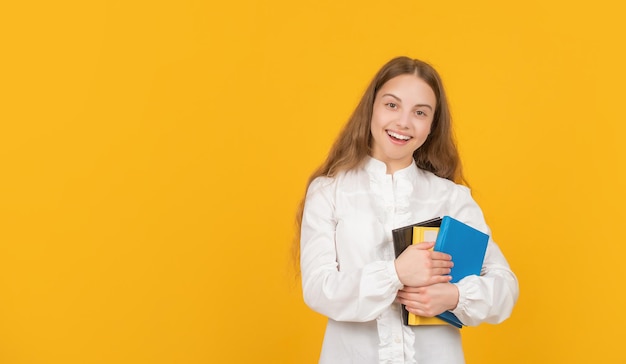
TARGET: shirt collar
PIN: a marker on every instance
(377, 168)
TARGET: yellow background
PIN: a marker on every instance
(152, 155)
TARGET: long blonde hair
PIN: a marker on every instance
(438, 154)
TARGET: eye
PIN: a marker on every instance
(420, 113)
(391, 105)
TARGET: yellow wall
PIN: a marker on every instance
(152, 154)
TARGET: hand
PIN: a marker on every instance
(431, 300)
(418, 266)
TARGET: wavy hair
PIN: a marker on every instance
(438, 154)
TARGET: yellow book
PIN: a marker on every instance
(420, 234)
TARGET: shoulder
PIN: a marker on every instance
(342, 181)
(323, 191)
(320, 183)
(459, 201)
(439, 185)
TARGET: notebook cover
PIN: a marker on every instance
(420, 234)
(403, 236)
(467, 246)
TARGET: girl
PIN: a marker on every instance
(395, 163)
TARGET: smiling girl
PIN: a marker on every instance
(395, 163)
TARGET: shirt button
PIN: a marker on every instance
(389, 208)
(398, 340)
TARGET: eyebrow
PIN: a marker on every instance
(417, 105)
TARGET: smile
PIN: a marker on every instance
(398, 136)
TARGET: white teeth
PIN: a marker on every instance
(398, 136)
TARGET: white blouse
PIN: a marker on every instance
(348, 272)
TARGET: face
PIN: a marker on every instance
(403, 113)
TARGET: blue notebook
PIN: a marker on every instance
(467, 246)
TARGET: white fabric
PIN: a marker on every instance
(348, 272)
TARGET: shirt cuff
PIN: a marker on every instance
(393, 275)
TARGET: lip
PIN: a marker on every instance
(395, 140)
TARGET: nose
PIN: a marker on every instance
(403, 120)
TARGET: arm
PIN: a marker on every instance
(340, 294)
(431, 300)
(475, 299)
(491, 296)
(365, 289)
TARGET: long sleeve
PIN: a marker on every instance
(342, 292)
(491, 296)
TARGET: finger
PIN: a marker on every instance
(408, 296)
(441, 271)
(401, 295)
(411, 305)
(425, 246)
(442, 264)
(440, 279)
(411, 289)
(440, 256)
(417, 309)
(413, 297)
(404, 301)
